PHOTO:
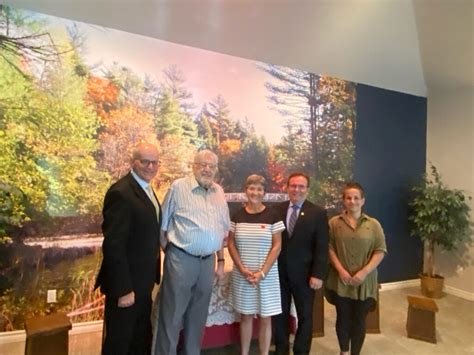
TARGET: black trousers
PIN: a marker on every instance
(303, 296)
(350, 322)
(127, 330)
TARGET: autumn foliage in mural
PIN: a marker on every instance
(67, 128)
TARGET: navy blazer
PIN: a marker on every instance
(305, 254)
(131, 232)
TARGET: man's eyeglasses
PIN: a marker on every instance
(146, 162)
(294, 187)
(204, 165)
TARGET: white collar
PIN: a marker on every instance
(143, 184)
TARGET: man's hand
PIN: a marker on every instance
(163, 239)
(127, 300)
(315, 283)
(220, 272)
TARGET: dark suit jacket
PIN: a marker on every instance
(305, 254)
(131, 241)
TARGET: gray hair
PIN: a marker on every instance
(204, 153)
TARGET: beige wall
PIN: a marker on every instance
(451, 149)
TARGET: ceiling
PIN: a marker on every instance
(403, 45)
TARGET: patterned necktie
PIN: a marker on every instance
(292, 221)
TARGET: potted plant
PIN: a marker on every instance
(440, 216)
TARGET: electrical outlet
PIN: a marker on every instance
(51, 296)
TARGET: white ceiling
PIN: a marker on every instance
(403, 45)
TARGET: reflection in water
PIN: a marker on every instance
(68, 264)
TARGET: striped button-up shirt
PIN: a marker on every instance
(195, 219)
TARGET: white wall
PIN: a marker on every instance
(451, 149)
(365, 41)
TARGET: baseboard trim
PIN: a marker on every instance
(459, 293)
(95, 326)
(77, 328)
(387, 286)
(15, 336)
(86, 327)
(416, 282)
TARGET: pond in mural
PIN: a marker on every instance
(74, 99)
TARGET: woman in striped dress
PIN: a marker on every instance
(254, 244)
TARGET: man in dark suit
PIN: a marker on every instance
(302, 263)
(131, 262)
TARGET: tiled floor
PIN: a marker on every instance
(454, 322)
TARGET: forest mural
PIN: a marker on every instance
(75, 98)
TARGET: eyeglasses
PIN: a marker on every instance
(146, 162)
(203, 165)
(294, 187)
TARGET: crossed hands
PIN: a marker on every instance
(353, 280)
(252, 277)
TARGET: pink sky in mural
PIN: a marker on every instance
(207, 73)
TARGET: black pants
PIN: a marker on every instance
(350, 322)
(303, 296)
(127, 330)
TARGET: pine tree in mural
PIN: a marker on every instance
(207, 138)
(174, 82)
(320, 121)
(176, 133)
(171, 120)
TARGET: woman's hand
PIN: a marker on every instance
(246, 273)
(359, 277)
(374, 261)
(255, 278)
(345, 277)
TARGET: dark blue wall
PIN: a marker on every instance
(390, 157)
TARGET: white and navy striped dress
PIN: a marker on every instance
(253, 240)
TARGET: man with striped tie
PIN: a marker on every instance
(302, 264)
(195, 222)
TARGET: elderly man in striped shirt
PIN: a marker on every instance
(195, 222)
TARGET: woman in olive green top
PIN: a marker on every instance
(356, 248)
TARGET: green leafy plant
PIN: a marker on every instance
(440, 216)
(11, 211)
